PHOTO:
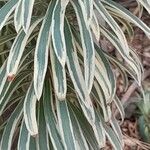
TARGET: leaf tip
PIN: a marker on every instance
(10, 77)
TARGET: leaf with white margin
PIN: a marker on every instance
(58, 38)
(10, 128)
(24, 137)
(30, 111)
(17, 49)
(59, 76)
(65, 126)
(18, 16)
(6, 11)
(27, 8)
(41, 51)
(50, 119)
(87, 45)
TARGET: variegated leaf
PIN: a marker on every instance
(41, 51)
(43, 138)
(18, 48)
(6, 11)
(30, 111)
(59, 76)
(10, 128)
(24, 137)
(115, 41)
(27, 6)
(58, 30)
(18, 16)
(112, 23)
(50, 117)
(87, 45)
(76, 75)
(79, 136)
(128, 15)
(65, 126)
(9, 88)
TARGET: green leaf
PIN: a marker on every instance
(79, 136)
(17, 49)
(27, 6)
(113, 138)
(120, 107)
(115, 126)
(24, 137)
(88, 131)
(50, 117)
(32, 143)
(10, 128)
(41, 51)
(65, 125)
(77, 77)
(43, 139)
(57, 30)
(126, 14)
(115, 27)
(30, 111)
(5, 38)
(115, 41)
(3, 76)
(59, 76)
(87, 45)
(10, 87)
(6, 11)
(18, 16)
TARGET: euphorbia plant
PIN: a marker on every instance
(56, 83)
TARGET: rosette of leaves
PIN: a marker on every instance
(57, 84)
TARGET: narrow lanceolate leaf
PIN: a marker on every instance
(17, 49)
(88, 4)
(113, 138)
(105, 73)
(32, 143)
(58, 30)
(41, 51)
(115, 126)
(65, 125)
(6, 10)
(112, 23)
(24, 137)
(88, 131)
(10, 128)
(3, 76)
(126, 14)
(5, 38)
(146, 4)
(100, 134)
(18, 16)
(87, 44)
(30, 111)
(120, 108)
(9, 88)
(50, 117)
(80, 138)
(95, 27)
(43, 138)
(59, 76)
(115, 41)
(103, 102)
(76, 75)
(27, 8)
(111, 135)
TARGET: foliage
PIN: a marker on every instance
(144, 119)
(57, 77)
